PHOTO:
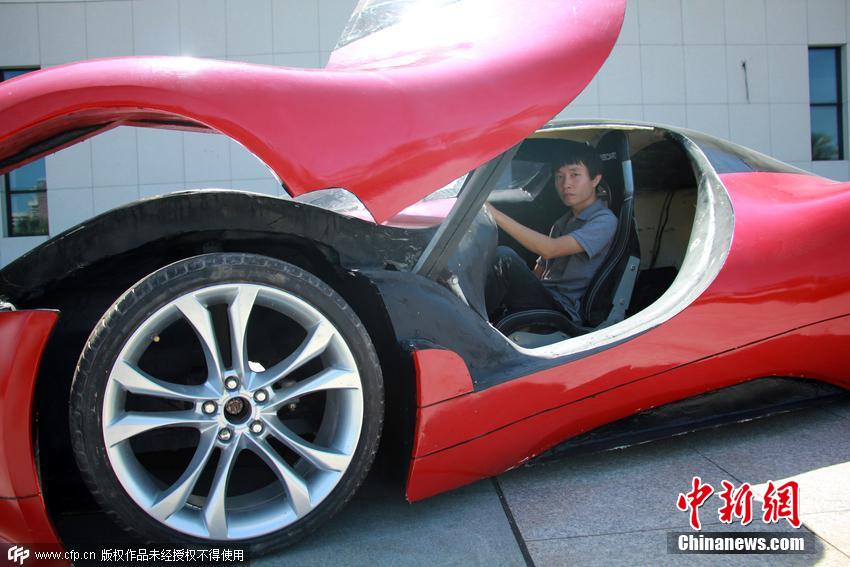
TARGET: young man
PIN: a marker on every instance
(568, 257)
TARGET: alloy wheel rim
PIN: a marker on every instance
(232, 418)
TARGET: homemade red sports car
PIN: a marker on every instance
(219, 366)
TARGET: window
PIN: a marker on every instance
(826, 103)
(25, 190)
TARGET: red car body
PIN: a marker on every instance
(395, 116)
(775, 309)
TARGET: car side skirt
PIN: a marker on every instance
(815, 352)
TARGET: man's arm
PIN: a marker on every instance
(540, 244)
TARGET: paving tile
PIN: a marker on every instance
(810, 446)
(832, 527)
(464, 527)
(625, 490)
(650, 548)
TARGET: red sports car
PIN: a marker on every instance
(219, 367)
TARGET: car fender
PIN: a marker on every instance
(23, 516)
(210, 218)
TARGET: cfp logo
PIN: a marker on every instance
(18, 554)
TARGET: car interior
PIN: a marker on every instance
(649, 183)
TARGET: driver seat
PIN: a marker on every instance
(607, 297)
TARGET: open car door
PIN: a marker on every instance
(414, 97)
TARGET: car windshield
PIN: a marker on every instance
(372, 16)
(520, 181)
(520, 175)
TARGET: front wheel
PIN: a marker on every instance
(226, 399)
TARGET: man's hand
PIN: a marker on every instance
(540, 244)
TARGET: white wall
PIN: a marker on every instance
(676, 62)
(679, 62)
(126, 164)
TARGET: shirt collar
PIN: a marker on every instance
(596, 206)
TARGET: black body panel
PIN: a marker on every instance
(425, 314)
(207, 219)
(735, 404)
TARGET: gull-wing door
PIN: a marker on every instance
(417, 93)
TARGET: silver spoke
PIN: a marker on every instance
(330, 379)
(134, 404)
(138, 382)
(296, 488)
(134, 423)
(215, 509)
(239, 312)
(319, 457)
(199, 317)
(315, 344)
(176, 496)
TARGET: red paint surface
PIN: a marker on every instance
(23, 335)
(393, 117)
(787, 269)
(24, 520)
(23, 516)
(441, 375)
(817, 351)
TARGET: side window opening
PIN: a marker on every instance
(665, 200)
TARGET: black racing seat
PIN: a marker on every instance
(607, 297)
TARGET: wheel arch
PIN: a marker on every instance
(203, 220)
(84, 270)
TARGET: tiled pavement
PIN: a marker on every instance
(613, 508)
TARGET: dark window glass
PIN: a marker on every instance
(12, 73)
(30, 177)
(823, 84)
(25, 190)
(28, 212)
(826, 103)
(825, 132)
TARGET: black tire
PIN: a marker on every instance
(100, 389)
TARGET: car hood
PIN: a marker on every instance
(394, 115)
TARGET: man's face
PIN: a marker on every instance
(575, 186)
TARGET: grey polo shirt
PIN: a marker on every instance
(568, 277)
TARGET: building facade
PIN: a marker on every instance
(768, 74)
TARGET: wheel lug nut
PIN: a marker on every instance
(293, 407)
(231, 383)
(209, 408)
(225, 435)
(256, 427)
(260, 396)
